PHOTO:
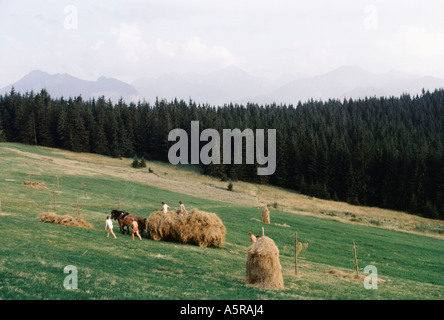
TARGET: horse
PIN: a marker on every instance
(126, 219)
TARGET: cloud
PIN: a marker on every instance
(166, 48)
(202, 52)
(414, 48)
(130, 42)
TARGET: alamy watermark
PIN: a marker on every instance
(71, 21)
(210, 153)
(371, 281)
(71, 281)
(371, 19)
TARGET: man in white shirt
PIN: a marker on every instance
(165, 207)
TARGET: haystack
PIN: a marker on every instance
(263, 267)
(202, 228)
(163, 226)
(266, 215)
(195, 227)
(64, 220)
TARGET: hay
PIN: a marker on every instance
(34, 185)
(351, 276)
(266, 215)
(202, 228)
(282, 225)
(302, 246)
(163, 226)
(263, 267)
(195, 227)
(343, 275)
(64, 220)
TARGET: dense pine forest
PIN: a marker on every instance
(385, 152)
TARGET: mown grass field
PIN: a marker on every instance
(33, 254)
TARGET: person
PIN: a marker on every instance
(253, 238)
(135, 227)
(109, 226)
(182, 208)
(165, 207)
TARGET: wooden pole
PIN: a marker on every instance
(295, 253)
(58, 186)
(263, 232)
(356, 259)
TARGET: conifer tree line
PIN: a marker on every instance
(386, 152)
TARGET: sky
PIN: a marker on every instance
(128, 40)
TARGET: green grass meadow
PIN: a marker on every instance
(33, 254)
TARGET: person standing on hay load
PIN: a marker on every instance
(182, 209)
(165, 207)
(109, 226)
(135, 227)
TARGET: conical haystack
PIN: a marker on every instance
(266, 215)
(263, 267)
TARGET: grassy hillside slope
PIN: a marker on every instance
(407, 251)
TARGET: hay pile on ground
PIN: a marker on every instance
(351, 276)
(266, 215)
(34, 185)
(194, 227)
(263, 267)
(64, 220)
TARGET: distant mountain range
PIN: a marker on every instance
(65, 85)
(233, 85)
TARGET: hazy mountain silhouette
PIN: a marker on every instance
(65, 85)
(350, 82)
(232, 84)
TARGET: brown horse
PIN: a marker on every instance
(126, 219)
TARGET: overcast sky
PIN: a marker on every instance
(132, 39)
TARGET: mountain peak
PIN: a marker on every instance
(349, 70)
(66, 85)
(37, 74)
